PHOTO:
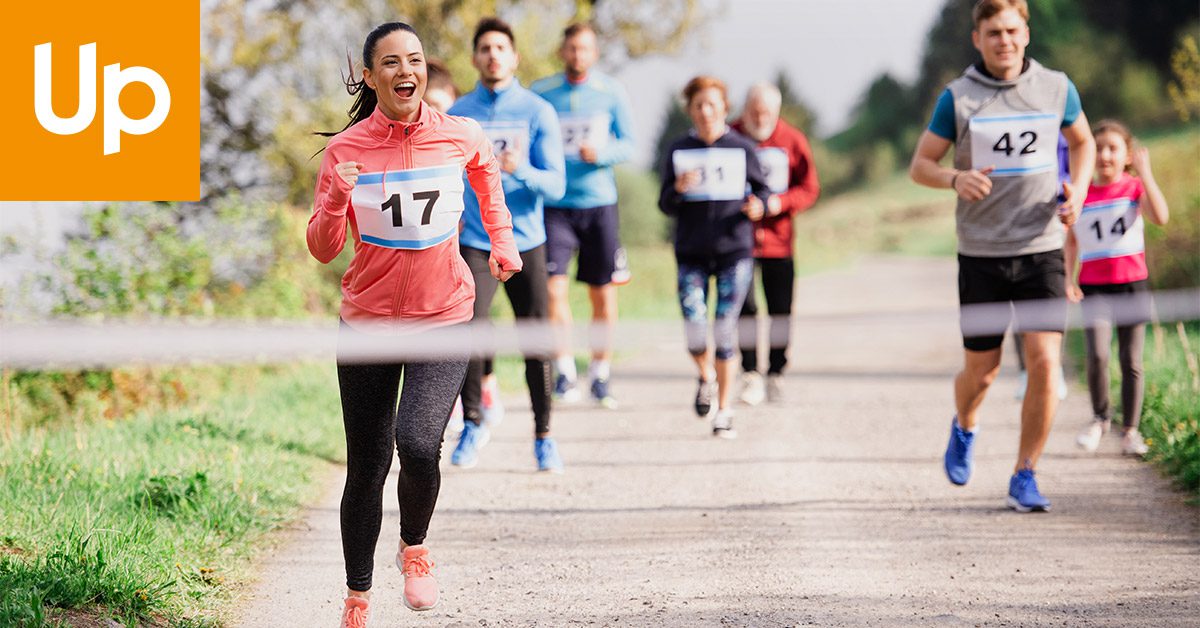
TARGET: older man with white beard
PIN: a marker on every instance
(787, 160)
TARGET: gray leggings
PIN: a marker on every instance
(375, 432)
(1130, 341)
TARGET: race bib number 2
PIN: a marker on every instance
(722, 172)
(508, 136)
(1110, 229)
(1016, 145)
(413, 209)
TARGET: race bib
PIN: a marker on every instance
(722, 173)
(413, 209)
(774, 163)
(1017, 145)
(507, 136)
(1110, 229)
(584, 128)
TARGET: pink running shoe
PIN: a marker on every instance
(420, 587)
(355, 614)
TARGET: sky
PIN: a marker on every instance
(830, 49)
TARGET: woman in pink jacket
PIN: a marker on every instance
(394, 177)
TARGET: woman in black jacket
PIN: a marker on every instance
(714, 187)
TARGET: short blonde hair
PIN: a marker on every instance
(701, 83)
(987, 9)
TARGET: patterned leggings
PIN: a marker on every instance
(733, 282)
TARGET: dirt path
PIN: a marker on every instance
(829, 510)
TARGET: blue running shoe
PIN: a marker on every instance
(960, 454)
(1023, 494)
(546, 452)
(472, 439)
(601, 395)
(565, 389)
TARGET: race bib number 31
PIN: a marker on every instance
(1016, 145)
(722, 173)
(1110, 229)
(579, 129)
(775, 167)
(416, 209)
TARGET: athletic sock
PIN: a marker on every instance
(599, 369)
(565, 365)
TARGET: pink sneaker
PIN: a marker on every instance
(420, 587)
(355, 614)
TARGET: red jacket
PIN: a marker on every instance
(773, 234)
(403, 215)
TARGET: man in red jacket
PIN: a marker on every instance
(787, 160)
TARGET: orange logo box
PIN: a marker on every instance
(102, 101)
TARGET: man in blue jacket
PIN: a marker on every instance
(597, 131)
(525, 133)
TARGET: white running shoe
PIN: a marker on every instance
(722, 425)
(774, 388)
(1089, 438)
(753, 389)
(1133, 445)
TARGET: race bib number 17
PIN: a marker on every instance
(414, 209)
(1016, 145)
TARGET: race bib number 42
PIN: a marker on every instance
(580, 128)
(1110, 229)
(1016, 145)
(722, 173)
(413, 209)
(774, 163)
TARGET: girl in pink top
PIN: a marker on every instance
(1108, 246)
(394, 177)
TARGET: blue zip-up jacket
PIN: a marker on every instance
(591, 185)
(518, 115)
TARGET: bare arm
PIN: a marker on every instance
(1155, 206)
(1071, 257)
(1082, 148)
(970, 185)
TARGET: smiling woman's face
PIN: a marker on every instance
(398, 75)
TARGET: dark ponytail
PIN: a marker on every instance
(364, 104)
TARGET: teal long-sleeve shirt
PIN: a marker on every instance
(516, 118)
(596, 110)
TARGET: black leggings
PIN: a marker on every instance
(778, 279)
(530, 300)
(374, 429)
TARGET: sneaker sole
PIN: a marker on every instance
(551, 470)
(1019, 507)
(727, 434)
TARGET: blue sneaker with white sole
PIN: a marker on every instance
(1023, 493)
(472, 439)
(602, 396)
(959, 460)
(546, 452)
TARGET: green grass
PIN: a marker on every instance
(148, 520)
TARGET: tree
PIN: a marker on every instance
(792, 108)
(270, 68)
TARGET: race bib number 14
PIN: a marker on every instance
(1016, 145)
(1110, 229)
(722, 172)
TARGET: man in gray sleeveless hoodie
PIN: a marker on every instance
(1003, 117)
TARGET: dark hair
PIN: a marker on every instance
(577, 28)
(439, 77)
(366, 101)
(489, 25)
